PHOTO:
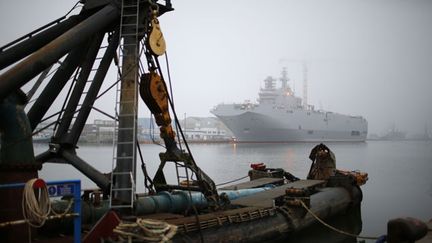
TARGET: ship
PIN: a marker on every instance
(394, 134)
(273, 205)
(281, 116)
(188, 207)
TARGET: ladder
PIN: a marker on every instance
(86, 87)
(182, 177)
(123, 176)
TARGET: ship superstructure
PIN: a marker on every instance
(280, 116)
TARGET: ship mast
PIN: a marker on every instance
(305, 86)
(284, 79)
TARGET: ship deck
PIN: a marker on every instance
(254, 183)
(265, 199)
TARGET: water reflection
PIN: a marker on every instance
(349, 221)
(399, 171)
(289, 159)
(234, 148)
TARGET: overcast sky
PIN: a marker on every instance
(365, 57)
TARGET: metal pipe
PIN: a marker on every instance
(80, 84)
(97, 177)
(49, 156)
(176, 202)
(90, 98)
(179, 201)
(27, 69)
(43, 157)
(53, 88)
(23, 49)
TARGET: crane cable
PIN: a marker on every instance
(179, 132)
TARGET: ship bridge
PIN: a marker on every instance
(279, 97)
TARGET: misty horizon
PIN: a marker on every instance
(367, 58)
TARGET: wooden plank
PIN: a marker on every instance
(254, 183)
(265, 199)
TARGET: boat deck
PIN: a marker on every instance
(265, 199)
(214, 219)
(254, 183)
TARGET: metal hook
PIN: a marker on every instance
(153, 6)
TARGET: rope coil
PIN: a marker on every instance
(36, 205)
(36, 208)
(146, 229)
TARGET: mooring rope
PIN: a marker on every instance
(35, 210)
(36, 207)
(228, 182)
(335, 229)
(146, 229)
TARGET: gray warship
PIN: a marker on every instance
(281, 116)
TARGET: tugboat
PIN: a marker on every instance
(272, 204)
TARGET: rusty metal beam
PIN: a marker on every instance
(97, 177)
(53, 88)
(38, 82)
(86, 67)
(90, 98)
(20, 50)
(27, 69)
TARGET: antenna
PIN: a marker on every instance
(284, 79)
(305, 86)
(294, 88)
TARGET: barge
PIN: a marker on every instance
(80, 49)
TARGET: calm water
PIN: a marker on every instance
(400, 182)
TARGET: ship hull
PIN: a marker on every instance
(294, 126)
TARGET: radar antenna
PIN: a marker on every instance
(305, 86)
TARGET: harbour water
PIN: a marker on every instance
(400, 181)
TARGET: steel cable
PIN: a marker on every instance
(335, 229)
(238, 179)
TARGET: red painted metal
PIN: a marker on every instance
(39, 183)
(103, 228)
(258, 166)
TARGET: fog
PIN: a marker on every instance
(371, 57)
